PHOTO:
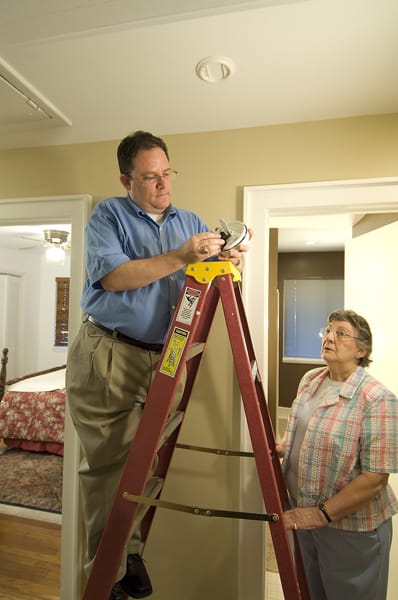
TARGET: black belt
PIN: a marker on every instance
(125, 338)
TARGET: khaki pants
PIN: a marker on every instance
(107, 382)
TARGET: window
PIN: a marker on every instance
(307, 304)
(62, 311)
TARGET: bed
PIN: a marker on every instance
(32, 409)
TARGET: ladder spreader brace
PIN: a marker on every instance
(158, 431)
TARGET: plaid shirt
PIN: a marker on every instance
(351, 431)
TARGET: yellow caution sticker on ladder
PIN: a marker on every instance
(174, 351)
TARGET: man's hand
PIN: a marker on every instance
(138, 273)
(236, 255)
(200, 246)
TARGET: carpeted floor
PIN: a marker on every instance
(31, 479)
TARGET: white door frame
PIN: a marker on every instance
(262, 204)
(74, 210)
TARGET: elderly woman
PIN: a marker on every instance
(340, 445)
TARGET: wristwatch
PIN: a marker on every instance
(323, 510)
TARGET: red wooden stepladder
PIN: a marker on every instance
(206, 283)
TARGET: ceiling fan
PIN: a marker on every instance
(52, 238)
(55, 241)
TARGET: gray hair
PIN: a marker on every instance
(363, 329)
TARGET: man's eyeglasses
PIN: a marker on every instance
(338, 334)
(154, 178)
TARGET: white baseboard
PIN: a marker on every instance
(29, 513)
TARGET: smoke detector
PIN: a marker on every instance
(215, 68)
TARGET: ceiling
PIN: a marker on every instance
(98, 69)
(87, 70)
(324, 233)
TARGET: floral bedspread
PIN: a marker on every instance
(33, 416)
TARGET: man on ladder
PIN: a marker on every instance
(137, 248)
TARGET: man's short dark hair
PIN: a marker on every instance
(132, 144)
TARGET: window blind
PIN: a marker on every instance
(62, 311)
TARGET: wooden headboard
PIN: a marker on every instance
(3, 371)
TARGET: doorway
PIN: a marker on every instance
(74, 210)
(262, 206)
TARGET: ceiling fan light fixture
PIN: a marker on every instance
(55, 255)
(214, 69)
(55, 236)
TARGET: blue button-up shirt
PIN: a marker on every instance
(118, 231)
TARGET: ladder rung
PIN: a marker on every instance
(195, 349)
(171, 426)
(153, 488)
(219, 451)
(203, 512)
(254, 369)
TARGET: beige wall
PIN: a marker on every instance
(198, 557)
(214, 166)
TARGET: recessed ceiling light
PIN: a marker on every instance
(215, 68)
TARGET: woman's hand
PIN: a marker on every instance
(280, 449)
(351, 498)
(304, 518)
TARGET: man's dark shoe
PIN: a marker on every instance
(136, 582)
(117, 592)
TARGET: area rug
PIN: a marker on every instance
(31, 479)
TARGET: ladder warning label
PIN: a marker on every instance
(188, 305)
(174, 351)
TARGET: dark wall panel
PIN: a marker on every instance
(300, 265)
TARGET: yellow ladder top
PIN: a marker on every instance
(204, 272)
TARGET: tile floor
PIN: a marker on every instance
(273, 587)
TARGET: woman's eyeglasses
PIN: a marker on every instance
(338, 334)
